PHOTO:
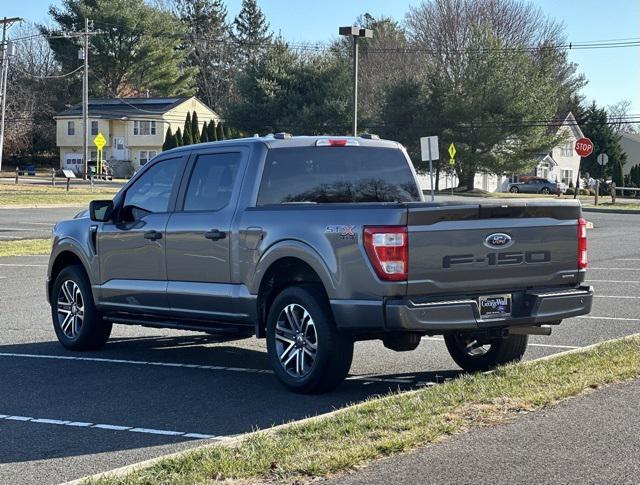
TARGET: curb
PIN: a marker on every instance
(611, 211)
(233, 440)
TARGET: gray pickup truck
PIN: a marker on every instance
(314, 243)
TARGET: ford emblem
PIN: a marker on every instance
(498, 240)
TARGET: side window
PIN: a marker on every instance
(152, 191)
(211, 182)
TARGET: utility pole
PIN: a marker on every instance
(85, 98)
(6, 23)
(356, 33)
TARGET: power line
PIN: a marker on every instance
(60, 76)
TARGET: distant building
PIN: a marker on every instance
(561, 164)
(631, 146)
(133, 127)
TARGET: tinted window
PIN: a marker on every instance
(152, 191)
(211, 182)
(332, 174)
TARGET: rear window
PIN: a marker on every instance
(332, 175)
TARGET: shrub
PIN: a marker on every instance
(583, 192)
(569, 191)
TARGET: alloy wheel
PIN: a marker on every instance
(472, 347)
(70, 309)
(296, 340)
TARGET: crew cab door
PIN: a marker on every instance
(199, 235)
(131, 249)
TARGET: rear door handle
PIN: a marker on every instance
(153, 235)
(215, 235)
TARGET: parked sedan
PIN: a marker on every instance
(536, 185)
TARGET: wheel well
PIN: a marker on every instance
(281, 274)
(63, 260)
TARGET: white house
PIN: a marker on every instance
(631, 146)
(561, 164)
(134, 128)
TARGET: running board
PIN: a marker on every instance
(219, 328)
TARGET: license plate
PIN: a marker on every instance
(494, 306)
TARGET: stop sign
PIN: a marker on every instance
(584, 147)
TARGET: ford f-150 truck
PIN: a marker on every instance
(314, 243)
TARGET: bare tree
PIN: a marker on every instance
(619, 117)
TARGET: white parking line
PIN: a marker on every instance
(612, 281)
(363, 378)
(553, 346)
(618, 296)
(620, 269)
(112, 427)
(18, 265)
(628, 259)
(610, 318)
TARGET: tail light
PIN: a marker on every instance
(387, 248)
(336, 142)
(582, 244)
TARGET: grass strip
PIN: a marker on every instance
(25, 247)
(396, 423)
(42, 196)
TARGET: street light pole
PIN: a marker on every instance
(355, 33)
(6, 23)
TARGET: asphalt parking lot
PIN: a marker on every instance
(65, 415)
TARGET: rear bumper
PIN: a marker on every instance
(441, 315)
(530, 308)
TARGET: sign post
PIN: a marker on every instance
(99, 141)
(602, 159)
(584, 148)
(429, 151)
(452, 162)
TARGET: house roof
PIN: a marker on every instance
(113, 108)
(560, 122)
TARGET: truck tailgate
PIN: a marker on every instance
(492, 247)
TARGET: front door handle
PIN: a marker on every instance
(153, 235)
(215, 235)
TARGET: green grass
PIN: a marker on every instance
(618, 206)
(394, 424)
(25, 247)
(31, 195)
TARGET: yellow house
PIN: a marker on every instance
(134, 128)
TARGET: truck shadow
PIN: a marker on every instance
(237, 393)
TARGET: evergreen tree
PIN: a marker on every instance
(251, 33)
(213, 135)
(219, 132)
(168, 140)
(594, 122)
(617, 175)
(227, 133)
(178, 136)
(187, 135)
(204, 135)
(195, 128)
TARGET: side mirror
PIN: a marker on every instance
(100, 210)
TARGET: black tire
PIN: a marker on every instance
(500, 351)
(514, 190)
(92, 332)
(545, 191)
(333, 350)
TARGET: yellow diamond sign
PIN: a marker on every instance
(452, 151)
(99, 141)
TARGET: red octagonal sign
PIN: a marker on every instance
(584, 147)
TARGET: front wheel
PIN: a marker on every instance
(514, 190)
(306, 351)
(545, 190)
(475, 355)
(76, 321)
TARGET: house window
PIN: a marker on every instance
(567, 150)
(146, 155)
(144, 127)
(567, 176)
(94, 128)
(71, 128)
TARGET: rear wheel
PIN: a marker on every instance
(545, 190)
(514, 190)
(473, 354)
(77, 323)
(306, 351)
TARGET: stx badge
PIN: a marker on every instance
(344, 232)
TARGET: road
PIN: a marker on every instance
(64, 415)
(32, 223)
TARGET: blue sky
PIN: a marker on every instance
(613, 74)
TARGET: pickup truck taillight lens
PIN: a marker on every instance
(387, 248)
(582, 244)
